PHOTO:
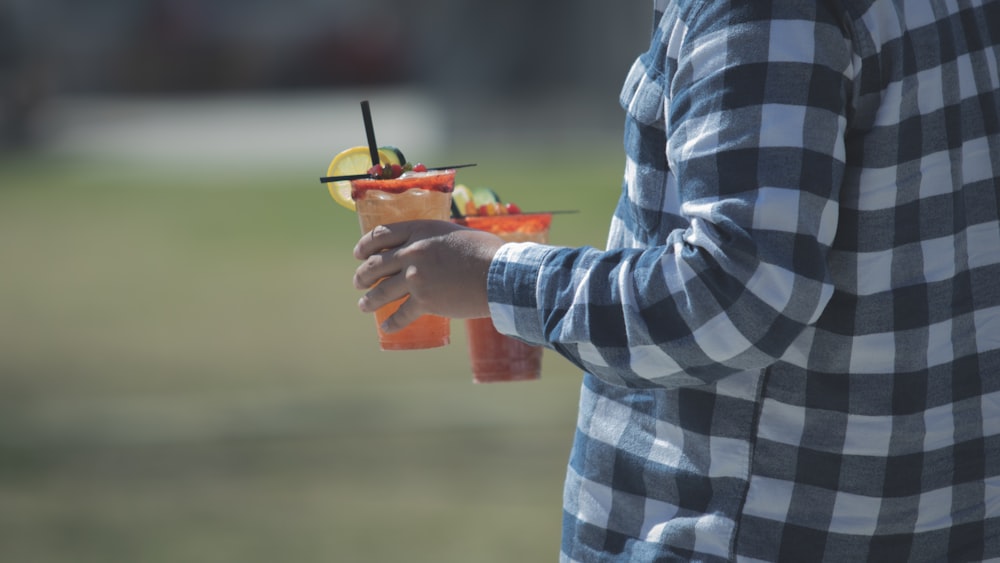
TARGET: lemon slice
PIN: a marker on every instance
(355, 160)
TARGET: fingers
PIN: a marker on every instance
(406, 314)
(374, 268)
(381, 271)
(439, 267)
(381, 238)
(385, 292)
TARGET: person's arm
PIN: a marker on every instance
(755, 124)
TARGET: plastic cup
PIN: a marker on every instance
(424, 195)
(496, 357)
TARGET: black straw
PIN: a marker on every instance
(366, 113)
(327, 179)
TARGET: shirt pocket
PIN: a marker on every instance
(642, 95)
(646, 179)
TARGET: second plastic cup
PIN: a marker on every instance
(425, 195)
(496, 357)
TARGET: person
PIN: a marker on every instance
(791, 346)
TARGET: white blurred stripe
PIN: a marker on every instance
(308, 127)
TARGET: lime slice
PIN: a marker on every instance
(460, 196)
(355, 160)
(398, 157)
(484, 196)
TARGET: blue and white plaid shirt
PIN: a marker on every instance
(792, 343)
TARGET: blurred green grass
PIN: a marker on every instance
(184, 375)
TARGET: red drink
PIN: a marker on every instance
(496, 357)
(425, 195)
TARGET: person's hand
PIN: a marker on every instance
(441, 266)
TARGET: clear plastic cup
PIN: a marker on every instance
(496, 357)
(422, 195)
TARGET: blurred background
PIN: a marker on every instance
(184, 375)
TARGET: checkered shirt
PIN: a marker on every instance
(792, 342)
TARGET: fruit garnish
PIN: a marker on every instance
(386, 171)
(371, 162)
(486, 202)
(461, 196)
(484, 196)
(479, 201)
(393, 171)
(352, 161)
(400, 159)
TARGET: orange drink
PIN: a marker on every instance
(494, 356)
(423, 195)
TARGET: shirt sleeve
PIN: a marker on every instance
(755, 102)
